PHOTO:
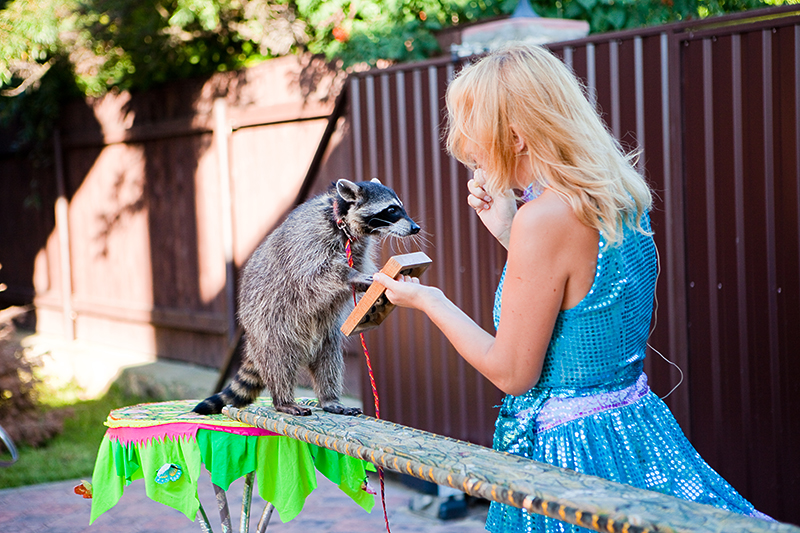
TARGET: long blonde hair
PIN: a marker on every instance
(528, 92)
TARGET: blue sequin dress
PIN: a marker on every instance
(592, 411)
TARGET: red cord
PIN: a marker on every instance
(374, 390)
(378, 416)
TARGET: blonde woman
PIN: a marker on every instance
(573, 307)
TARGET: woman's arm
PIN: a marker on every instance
(549, 251)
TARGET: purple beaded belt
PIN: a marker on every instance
(557, 411)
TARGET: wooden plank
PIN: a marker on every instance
(173, 318)
(247, 117)
(163, 129)
(252, 116)
(373, 307)
(587, 501)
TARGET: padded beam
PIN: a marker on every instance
(587, 501)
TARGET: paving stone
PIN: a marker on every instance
(54, 508)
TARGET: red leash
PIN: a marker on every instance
(374, 389)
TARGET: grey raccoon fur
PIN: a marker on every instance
(297, 289)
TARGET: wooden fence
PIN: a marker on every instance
(135, 230)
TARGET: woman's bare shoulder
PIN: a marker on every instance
(550, 235)
(549, 215)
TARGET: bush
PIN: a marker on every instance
(20, 414)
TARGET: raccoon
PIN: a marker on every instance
(297, 289)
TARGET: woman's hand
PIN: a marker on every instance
(405, 291)
(496, 212)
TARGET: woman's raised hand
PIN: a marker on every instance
(495, 211)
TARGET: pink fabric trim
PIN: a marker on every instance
(143, 435)
(557, 411)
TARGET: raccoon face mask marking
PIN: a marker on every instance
(395, 221)
(371, 208)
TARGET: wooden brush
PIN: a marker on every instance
(373, 307)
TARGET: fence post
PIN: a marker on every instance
(675, 264)
(222, 134)
(62, 229)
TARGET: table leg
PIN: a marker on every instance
(224, 511)
(265, 516)
(202, 519)
(247, 500)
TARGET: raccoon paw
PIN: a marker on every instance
(340, 409)
(360, 281)
(293, 409)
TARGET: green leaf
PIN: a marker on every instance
(182, 17)
(616, 17)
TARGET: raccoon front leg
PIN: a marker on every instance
(327, 370)
(359, 281)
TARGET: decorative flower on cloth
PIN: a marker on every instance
(366, 487)
(84, 489)
(168, 472)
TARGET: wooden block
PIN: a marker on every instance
(373, 307)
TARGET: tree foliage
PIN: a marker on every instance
(388, 30)
(51, 50)
(611, 15)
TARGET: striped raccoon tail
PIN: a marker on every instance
(242, 390)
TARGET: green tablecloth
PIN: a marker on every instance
(165, 444)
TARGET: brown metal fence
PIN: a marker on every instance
(714, 107)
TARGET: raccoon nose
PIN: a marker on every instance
(414, 228)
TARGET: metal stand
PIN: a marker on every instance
(265, 516)
(10, 446)
(247, 500)
(224, 510)
(202, 518)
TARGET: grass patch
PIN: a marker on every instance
(71, 454)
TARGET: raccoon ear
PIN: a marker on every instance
(376, 180)
(348, 190)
